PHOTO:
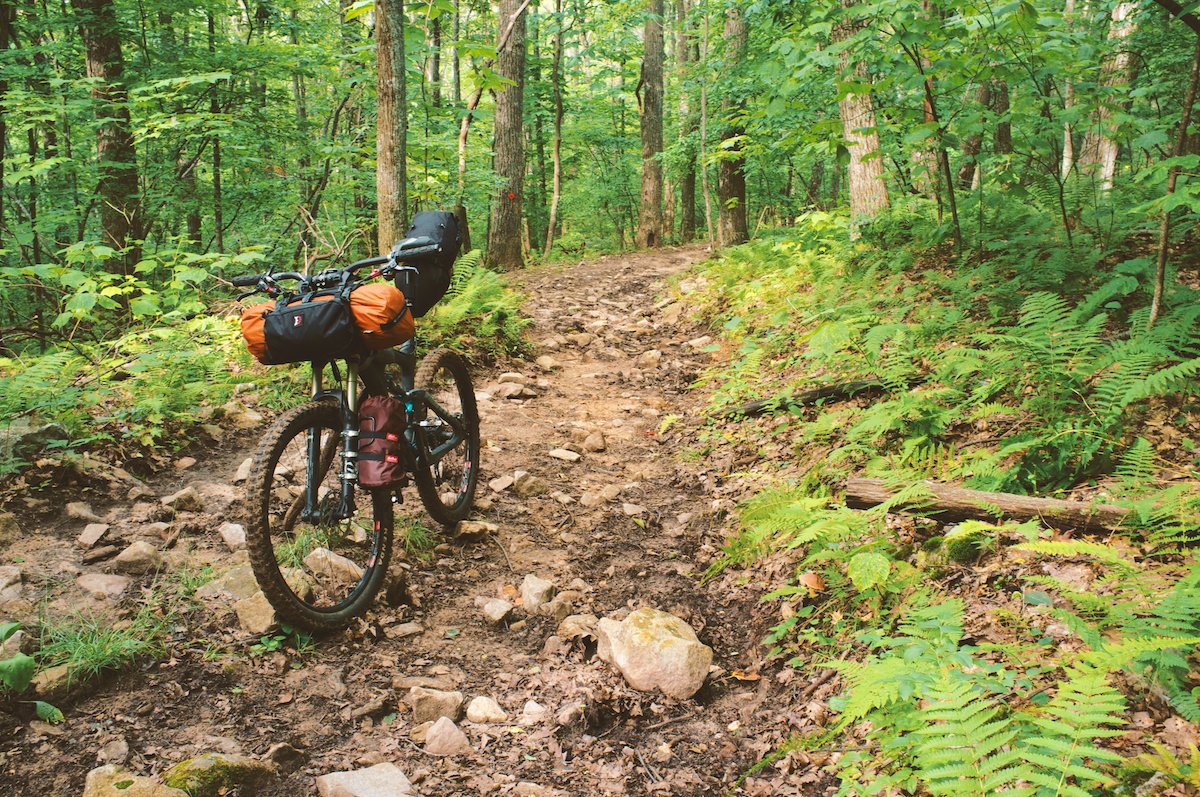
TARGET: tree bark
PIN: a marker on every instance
(121, 209)
(7, 15)
(456, 74)
(974, 143)
(504, 233)
(868, 190)
(650, 209)
(1002, 138)
(391, 177)
(215, 108)
(1164, 231)
(435, 61)
(556, 147)
(950, 503)
(708, 219)
(686, 211)
(1098, 153)
(732, 228)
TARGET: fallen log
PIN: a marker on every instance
(950, 503)
(844, 390)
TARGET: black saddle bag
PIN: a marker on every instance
(435, 269)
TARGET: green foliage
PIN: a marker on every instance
(90, 646)
(16, 671)
(479, 313)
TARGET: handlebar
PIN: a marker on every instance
(393, 262)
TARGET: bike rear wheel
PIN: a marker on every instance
(447, 466)
(318, 568)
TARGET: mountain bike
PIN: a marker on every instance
(319, 542)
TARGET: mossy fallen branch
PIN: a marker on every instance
(947, 502)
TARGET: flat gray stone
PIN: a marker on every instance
(186, 500)
(92, 533)
(10, 576)
(82, 510)
(234, 535)
(233, 585)
(566, 455)
(381, 780)
(256, 614)
(429, 704)
(102, 584)
(497, 610)
(485, 710)
(139, 557)
(115, 781)
(444, 738)
(535, 592)
(243, 471)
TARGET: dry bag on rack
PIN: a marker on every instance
(380, 442)
(315, 326)
(382, 316)
(440, 227)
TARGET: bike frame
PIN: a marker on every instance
(418, 404)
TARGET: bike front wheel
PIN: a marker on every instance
(447, 457)
(320, 561)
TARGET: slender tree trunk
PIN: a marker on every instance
(435, 61)
(1164, 231)
(974, 143)
(7, 15)
(121, 211)
(708, 219)
(535, 209)
(1002, 138)
(454, 67)
(650, 209)
(391, 177)
(687, 128)
(1098, 154)
(504, 232)
(215, 108)
(556, 150)
(732, 228)
(868, 190)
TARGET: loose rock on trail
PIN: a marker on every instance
(477, 673)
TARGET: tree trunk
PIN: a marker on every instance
(556, 149)
(708, 220)
(456, 75)
(435, 61)
(650, 210)
(974, 143)
(1098, 153)
(687, 128)
(868, 190)
(214, 108)
(1002, 138)
(1164, 231)
(391, 178)
(504, 232)
(731, 170)
(7, 16)
(121, 211)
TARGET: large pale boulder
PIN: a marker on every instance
(381, 780)
(114, 781)
(216, 774)
(655, 650)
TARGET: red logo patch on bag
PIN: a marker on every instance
(392, 458)
(297, 320)
(393, 437)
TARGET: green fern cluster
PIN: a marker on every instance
(479, 313)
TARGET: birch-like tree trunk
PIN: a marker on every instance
(650, 209)
(1098, 153)
(391, 144)
(868, 190)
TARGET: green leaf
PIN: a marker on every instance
(868, 569)
(1035, 598)
(7, 630)
(48, 713)
(17, 672)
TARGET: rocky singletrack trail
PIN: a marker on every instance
(583, 487)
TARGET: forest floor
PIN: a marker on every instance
(625, 360)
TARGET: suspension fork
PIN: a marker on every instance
(347, 402)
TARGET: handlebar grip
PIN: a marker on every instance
(246, 280)
(408, 254)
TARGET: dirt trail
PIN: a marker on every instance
(629, 526)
